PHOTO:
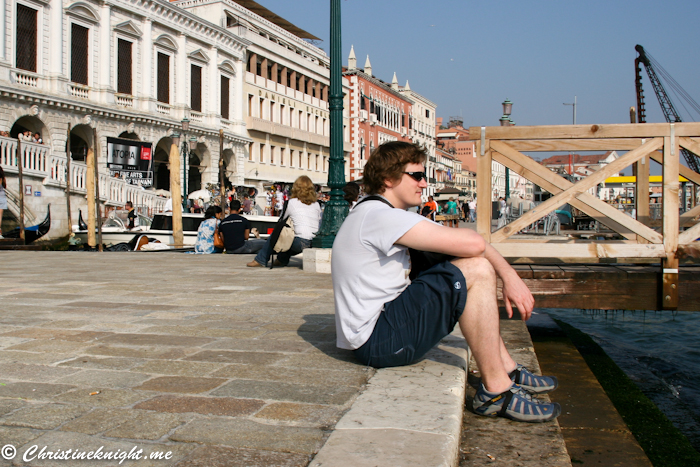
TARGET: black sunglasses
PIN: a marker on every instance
(417, 176)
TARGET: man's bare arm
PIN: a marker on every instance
(466, 243)
(429, 236)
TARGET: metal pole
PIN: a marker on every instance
(337, 208)
(70, 221)
(20, 164)
(574, 106)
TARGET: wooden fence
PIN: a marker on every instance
(656, 141)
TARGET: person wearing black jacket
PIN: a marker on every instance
(236, 230)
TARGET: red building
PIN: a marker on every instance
(377, 114)
(455, 140)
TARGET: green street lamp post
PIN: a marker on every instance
(506, 121)
(337, 208)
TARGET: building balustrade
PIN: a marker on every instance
(163, 108)
(25, 78)
(124, 100)
(79, 90)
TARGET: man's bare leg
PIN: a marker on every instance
(480, 324)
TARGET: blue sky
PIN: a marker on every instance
(469, 56)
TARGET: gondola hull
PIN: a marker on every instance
(34, 232)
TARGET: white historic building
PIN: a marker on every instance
(128, 69)
(285, 93)
(252, 89)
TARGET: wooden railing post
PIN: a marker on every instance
(641, 195)
(483, 187)
(90, 186)
(669, 285)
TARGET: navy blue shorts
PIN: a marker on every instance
(418, 319)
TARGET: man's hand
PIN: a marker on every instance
(515, 292)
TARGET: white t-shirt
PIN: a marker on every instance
(368, 268)
(306, 217)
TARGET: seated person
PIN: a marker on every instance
(389, 320)
(236, 229)
(205, 234)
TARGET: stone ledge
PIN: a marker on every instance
(408, 416)
(317, 260)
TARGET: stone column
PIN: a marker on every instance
(211, 103)
(145, 89)
(3, 42)
(181, 73)
(239, 97)
(55, 39)
(105, 52)
(263, 68)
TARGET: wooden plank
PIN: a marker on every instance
(607, 287)
(688, 216)
(483, 190)
(608, 144)
(579, 250)
(691, 145)
(585, 202)
(641, 170)
(581, 186)
(648, 130)
(689, 235)
(671, 185)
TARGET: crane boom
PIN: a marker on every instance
(667, 107)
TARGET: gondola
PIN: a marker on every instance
(34, 232)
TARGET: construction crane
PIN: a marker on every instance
(667, 107)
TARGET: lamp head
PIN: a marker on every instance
(176, 138)
(185, 124)
(507, 107)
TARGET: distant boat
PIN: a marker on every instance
(161, 228)
(34, 232)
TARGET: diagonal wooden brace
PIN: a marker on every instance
(576, 191)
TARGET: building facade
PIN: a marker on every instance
(284, 96)
(133, 70)
(245, 91)
(378, 114)
(421, 126)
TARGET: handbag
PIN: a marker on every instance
(286, 237)
(282, 235)
(218, 239)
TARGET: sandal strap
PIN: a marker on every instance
(508, 395)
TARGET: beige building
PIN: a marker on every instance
(284, 94)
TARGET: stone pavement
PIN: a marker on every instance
(207, 360)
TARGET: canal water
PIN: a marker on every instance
(658, 350)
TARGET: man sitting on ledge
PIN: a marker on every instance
(389, 320)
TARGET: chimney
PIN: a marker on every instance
(352, 60)
(368, 67)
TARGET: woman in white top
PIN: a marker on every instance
(306, 214)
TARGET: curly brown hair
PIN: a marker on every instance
(304, 190)
(388, 162)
